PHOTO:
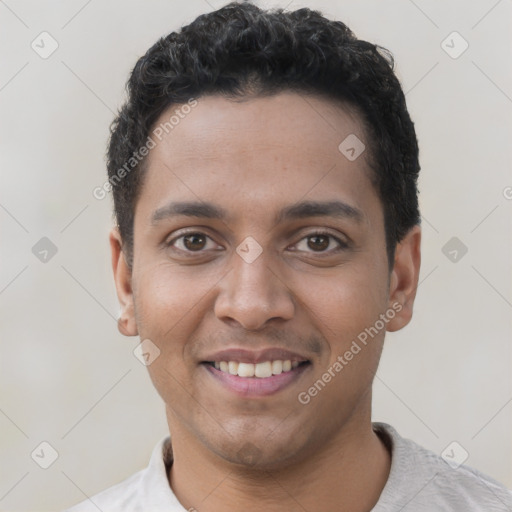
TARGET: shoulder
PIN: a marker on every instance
(122, 496)
(422, 480)
(146, 488)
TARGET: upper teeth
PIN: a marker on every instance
(261, 370)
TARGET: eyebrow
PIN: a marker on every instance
(189, 209)
(301, 210)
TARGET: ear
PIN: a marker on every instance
(403, 281)
(123, 280)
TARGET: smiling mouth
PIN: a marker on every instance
(262, 370)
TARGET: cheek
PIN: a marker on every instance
(165, 294)
(347, 303)
(169, 306)
(344, 310)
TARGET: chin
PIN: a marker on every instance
(261, 449)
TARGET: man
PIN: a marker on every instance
(264, 173)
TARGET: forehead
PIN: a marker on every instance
(258, 154)
(287, 120)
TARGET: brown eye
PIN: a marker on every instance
(318, 242)
(194, 241)
(321, 243)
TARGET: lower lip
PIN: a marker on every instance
(256, 386)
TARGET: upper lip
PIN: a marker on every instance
(254, 356)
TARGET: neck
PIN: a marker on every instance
(347, 474)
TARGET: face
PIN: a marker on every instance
(259, 247)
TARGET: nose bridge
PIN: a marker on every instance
(252, 293)
(252, 278)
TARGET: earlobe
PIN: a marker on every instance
(123, 281)
(404, 278)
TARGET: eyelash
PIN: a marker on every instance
(342, 245)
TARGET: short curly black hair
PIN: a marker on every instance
(241, 50)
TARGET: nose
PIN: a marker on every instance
(253, 294)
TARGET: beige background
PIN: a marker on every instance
(68, 378)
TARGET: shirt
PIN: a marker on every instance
(419, 481)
